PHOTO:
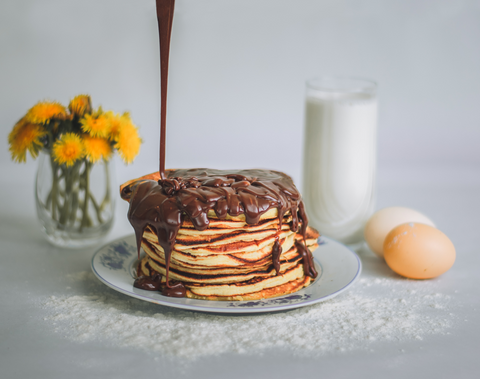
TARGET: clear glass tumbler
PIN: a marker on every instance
(340, 156)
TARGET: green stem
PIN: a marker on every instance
(74, 208)
(54, 188)
(74, 194)
(86, 176)
(106, 199)
(65, 210)
(97, 209)
(48, 201)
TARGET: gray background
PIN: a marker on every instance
(236, 100)
(238, 70)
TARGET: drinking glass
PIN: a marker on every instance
(340, 155)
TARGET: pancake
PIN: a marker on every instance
(226, 226)
(279, 290)
(234, 242)
(290, 280)
(216, 235)
(242, 259)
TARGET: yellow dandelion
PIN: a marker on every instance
(25, 136)
(80, 105)
(128, 142)
(97, 124)
(44, 111)
(68, 149)
(96, 148)
(116, 123)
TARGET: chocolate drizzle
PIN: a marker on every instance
(165, 10)
(174, 290)
(307, 260)
(192, 194)
(154, 283)
(149, 283)
(276, 253)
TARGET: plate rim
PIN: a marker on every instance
(233, 310)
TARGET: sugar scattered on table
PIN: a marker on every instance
(374, 310)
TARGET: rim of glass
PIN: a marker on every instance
(342, 83)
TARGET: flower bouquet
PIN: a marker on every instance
(74, 181)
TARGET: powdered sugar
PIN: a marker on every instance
(376, 309)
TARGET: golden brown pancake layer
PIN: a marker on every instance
(231, 260)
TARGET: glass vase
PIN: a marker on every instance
(75, 204)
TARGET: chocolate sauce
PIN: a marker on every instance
(307, 259)
(191, 194)
(165, 10)
(163, 205)
(149, 283)
(276, 253)
(175, 290)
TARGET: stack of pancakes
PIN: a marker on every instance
(231, 259)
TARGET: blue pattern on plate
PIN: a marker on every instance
(282, 300)
(116, 255)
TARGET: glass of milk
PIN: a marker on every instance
(340, 156)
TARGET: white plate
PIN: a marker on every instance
(114, 264)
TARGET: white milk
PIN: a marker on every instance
(340, 162)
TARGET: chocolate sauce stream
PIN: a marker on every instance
(308, 264)
(276, 253)
(165, 9)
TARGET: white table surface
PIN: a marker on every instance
(30, 268)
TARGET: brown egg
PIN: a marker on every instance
(385, 220)
(418, 251)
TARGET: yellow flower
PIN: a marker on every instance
(43, 112)
(128, 142)
(96, 148)
(25, 136)
(80, 105)
(97, 124)
(68, 149)
(116, 122)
